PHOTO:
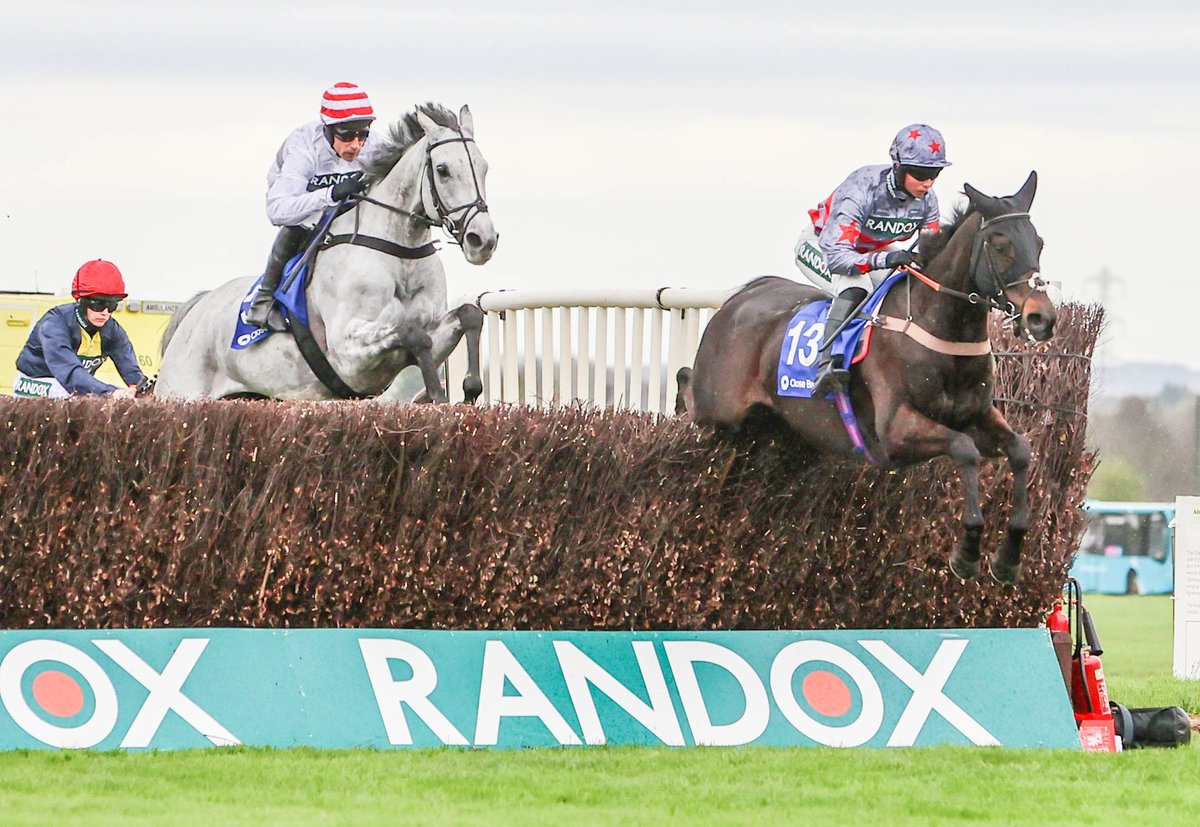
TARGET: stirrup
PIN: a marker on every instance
(831, 380)
(259, 312)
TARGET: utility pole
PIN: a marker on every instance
(1105, 282)
(1196, 451)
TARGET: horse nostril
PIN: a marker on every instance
(473, 240)
(1039, 324)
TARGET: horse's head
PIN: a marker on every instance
(1005, 260)
(454, 191)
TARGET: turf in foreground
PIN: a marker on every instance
(626, 786)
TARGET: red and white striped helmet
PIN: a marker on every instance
(344, 102)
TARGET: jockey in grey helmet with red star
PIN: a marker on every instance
(318, 165)
(856, 232)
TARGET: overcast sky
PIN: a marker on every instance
(645, 143)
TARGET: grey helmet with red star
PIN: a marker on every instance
(919, 145)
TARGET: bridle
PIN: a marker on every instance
(456, 227)
(993, 287)
(995, 279)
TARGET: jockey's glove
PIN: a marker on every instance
(898, 258)
(347, 187)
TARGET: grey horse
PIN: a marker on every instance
(372, 312)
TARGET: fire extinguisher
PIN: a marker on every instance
(1089, 693)
(1058, 620)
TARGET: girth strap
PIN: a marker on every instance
(318, 364)
(382, 245)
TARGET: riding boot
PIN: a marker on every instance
(287, 244)
(831, 374)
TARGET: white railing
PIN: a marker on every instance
(618, 348)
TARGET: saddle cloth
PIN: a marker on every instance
(798, 358)
(291, 299)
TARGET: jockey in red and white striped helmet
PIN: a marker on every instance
(345, 106)
(318, 165)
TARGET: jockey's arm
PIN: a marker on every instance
(839, 237)
(120, 350)
(289, 201)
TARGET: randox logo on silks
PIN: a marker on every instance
(326, 688)
(92, 363)
(329, 179)
(890, 228)
(27, 386)
(811, 257)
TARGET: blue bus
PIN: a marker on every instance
(1127, 548)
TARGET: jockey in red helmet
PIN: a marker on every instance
(857, 231)
(71, 341)
(318, 165)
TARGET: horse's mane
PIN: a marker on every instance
(403, 134)
(934, 243)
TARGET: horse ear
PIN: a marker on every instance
(1025, 196)
(427, 123)
(978, 199)
(466, 121)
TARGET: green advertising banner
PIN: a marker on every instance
(384, 689)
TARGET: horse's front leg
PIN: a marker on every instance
(471, 319)
(912, 437)
(444, 337)
(420, 345)
(995, 437)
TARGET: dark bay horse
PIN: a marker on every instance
(924, 389)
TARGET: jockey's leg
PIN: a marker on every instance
(287, 244)
(831, 374)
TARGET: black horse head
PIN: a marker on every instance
(1005, 259)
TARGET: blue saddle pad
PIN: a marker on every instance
(290, 295)
(798, 360)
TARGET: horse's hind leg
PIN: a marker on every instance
(683, 396)
(994, 437)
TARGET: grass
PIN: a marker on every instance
(600, 786)
(945, 785)
(1137, 635)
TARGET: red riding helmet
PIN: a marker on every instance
(98, 278)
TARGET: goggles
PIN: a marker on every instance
(922, 173)
(348, 135)
(98, 304)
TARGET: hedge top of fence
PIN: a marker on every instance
(359, 514)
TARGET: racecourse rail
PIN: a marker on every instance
(608, 347)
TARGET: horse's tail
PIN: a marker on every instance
(683, 396)
(176, 319)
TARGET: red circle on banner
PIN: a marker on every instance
(826, 693)
(58, 693)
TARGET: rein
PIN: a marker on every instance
(456, 228)
(997, 300)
